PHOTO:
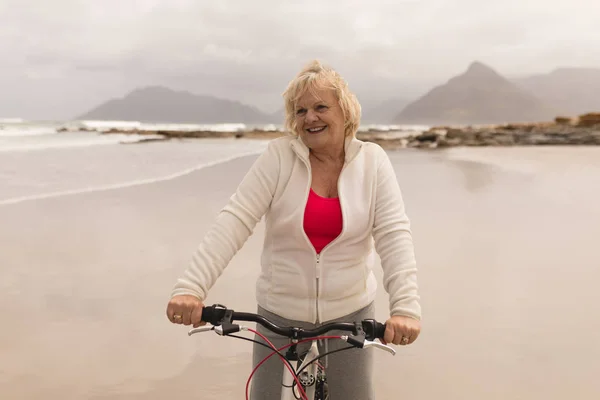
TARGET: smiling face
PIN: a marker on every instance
(320, 120)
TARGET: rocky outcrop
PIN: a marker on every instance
(589, 120)
(584, 130)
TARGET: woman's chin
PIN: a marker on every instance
(314, 139)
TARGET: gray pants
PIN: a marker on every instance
(349, 372)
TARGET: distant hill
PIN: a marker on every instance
(572, 91)
(160, 104)
(478, 96)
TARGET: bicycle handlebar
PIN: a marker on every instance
(219, 315)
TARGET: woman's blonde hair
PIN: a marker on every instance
(313, 77)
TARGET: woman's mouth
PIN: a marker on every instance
(316, 129)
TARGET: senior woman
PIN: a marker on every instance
(327, 198)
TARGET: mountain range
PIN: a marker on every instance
(480, 95)
(157, 104)
(570, 90)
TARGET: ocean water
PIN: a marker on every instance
(31, 136)
(38, 162)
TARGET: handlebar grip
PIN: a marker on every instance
(379, 330)
(373, 329)
(207, 314)
(213, 314)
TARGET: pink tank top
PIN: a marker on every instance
(322, 220)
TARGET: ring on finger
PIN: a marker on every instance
(404, 340)
(177, 317)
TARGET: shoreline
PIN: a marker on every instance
(583, 130)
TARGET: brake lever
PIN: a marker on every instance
(361, 343)
(381, 346)
(200, 330)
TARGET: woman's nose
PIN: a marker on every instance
(311, 116)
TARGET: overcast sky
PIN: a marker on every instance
(60, 58)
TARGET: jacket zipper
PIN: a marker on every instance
(318, 255)
(318, 271)
(318, 265)
(310, 245)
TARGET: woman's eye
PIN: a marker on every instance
(321, 107)
(300, 111)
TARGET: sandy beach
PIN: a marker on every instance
(506, 242)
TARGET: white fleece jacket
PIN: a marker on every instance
(295, 282)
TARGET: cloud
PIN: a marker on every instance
(249, 50)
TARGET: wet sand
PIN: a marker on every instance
(508, 273)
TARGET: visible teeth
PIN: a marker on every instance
(316, 129)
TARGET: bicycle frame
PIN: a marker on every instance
(287, 390)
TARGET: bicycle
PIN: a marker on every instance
(308, 380)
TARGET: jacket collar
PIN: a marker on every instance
(351, 146)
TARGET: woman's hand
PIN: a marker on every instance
(186, 310)
(401, 330)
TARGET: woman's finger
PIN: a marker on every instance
(197, 316)
(413, 336)
(174, 315)
(404, 340)
(401, 335)
(388, 336)
(187, 315)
